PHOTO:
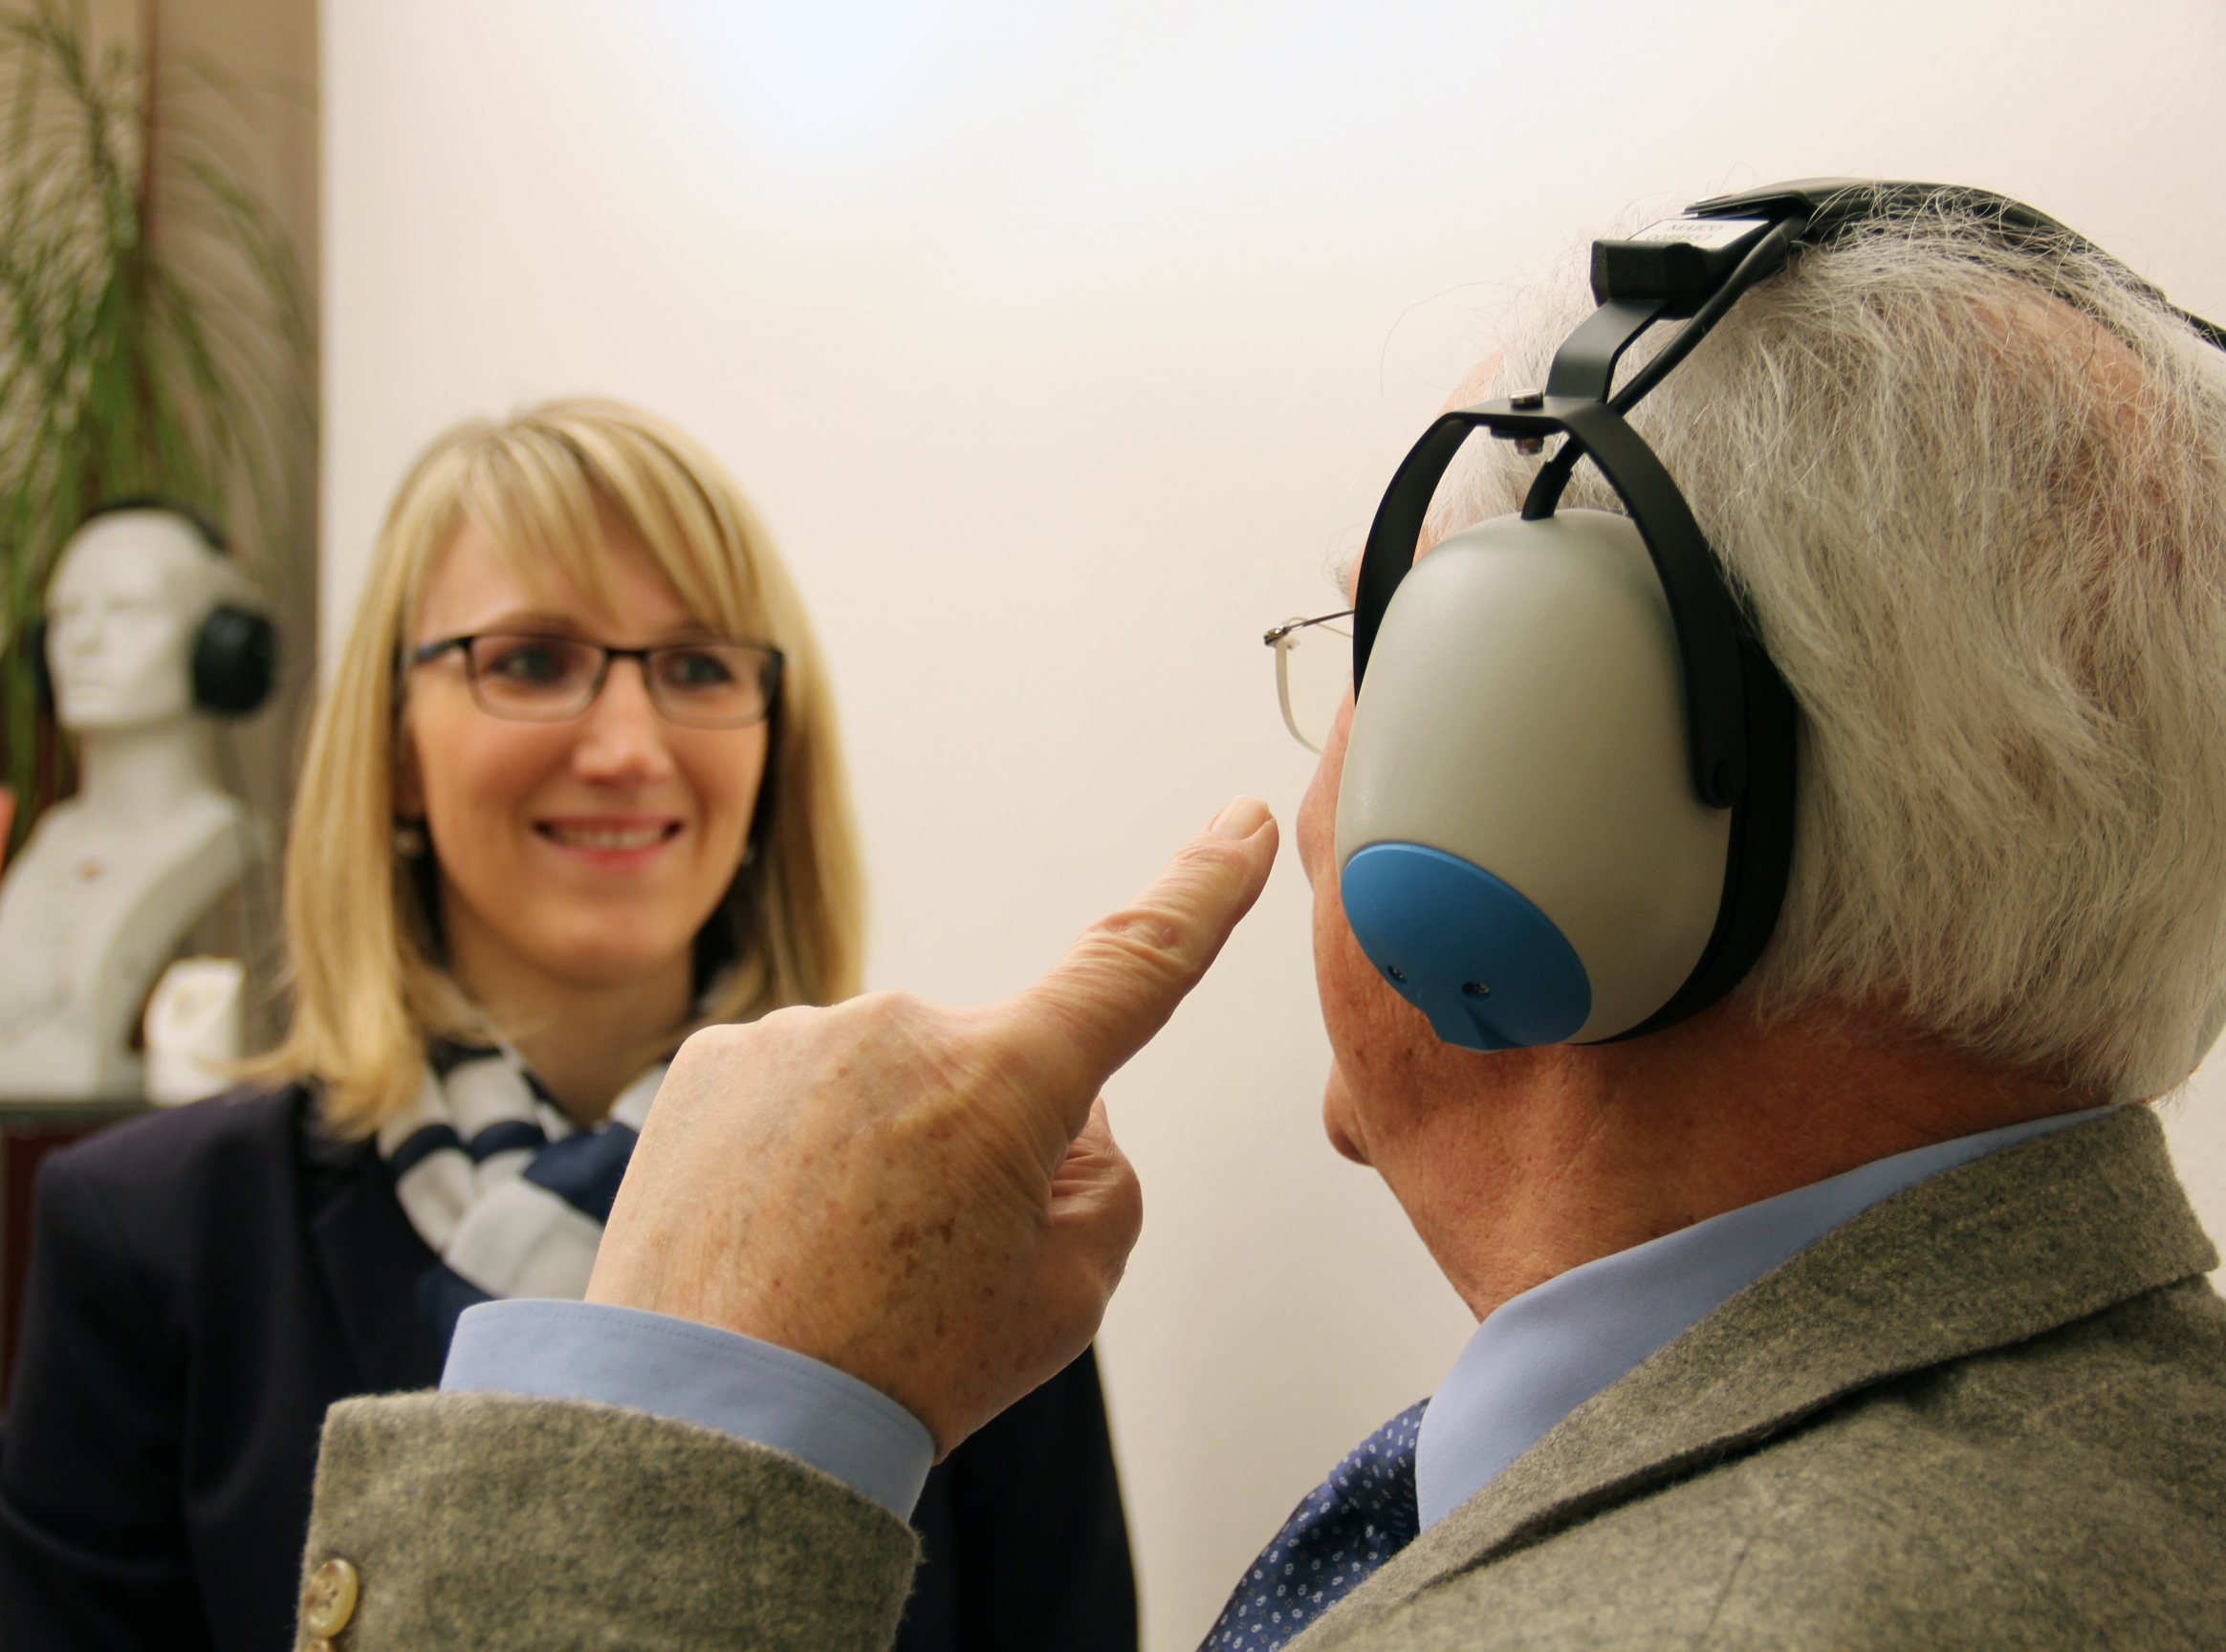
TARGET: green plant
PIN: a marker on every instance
(153, 333)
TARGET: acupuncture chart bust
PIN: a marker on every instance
(113, 877)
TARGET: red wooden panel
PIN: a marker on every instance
(24, 1143)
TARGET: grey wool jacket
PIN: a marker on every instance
(1988, 1412)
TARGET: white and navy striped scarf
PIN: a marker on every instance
(509, 1192)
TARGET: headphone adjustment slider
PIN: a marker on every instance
(1527, 402)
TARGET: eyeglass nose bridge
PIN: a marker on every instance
(601, 679)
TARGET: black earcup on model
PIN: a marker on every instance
(235, 662)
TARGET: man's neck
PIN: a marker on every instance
(1561, 1155)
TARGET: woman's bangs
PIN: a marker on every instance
(548, 507)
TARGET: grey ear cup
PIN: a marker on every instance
(1730, 731)
(1518, 824)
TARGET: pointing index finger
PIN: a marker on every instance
(1124, 976)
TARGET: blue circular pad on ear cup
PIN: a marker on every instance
(1486, 966)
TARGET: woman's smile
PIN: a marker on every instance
(611, 841)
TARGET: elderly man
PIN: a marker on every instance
(1856, 1307)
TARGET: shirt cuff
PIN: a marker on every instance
(692, 1373)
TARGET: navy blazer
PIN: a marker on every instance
(206, 1281)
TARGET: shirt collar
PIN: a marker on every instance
(1538, 1355)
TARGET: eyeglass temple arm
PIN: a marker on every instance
(1276, 633)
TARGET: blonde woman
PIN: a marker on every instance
(573, 791)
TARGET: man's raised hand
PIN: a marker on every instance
(928, 1198)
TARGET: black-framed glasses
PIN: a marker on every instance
(1314, 670)
(534, 678)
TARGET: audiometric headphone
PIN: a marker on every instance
(234, 661)
(1568, 805)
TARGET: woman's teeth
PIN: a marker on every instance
(607, 836)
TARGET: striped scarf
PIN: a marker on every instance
(505, 1188)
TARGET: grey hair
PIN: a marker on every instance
(1974, 500)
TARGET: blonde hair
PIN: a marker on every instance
(547, 488)
(1976, 500)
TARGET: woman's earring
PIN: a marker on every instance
(409, 839)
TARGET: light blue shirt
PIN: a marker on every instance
(1532, 1361)
(697, 1374)
(1539, 1356)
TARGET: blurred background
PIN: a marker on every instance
(1065, 349)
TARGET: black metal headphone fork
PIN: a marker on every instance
(1701, 610)
(1711, 633)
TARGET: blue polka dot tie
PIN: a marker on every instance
(1357, 1519)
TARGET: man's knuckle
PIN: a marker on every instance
(1214, 859)
(1146, 933)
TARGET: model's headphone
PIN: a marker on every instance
(235, 659)
(1617, 865)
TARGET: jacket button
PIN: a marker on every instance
(329, 1598)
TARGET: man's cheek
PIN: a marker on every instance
(1379, 1044)
(1368, 1022)
(1318, 809)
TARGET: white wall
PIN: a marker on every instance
(1064, 347)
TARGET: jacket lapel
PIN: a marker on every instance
(371, 1260)
(2019, 1243)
